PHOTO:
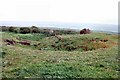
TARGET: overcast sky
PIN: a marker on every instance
(80, 11)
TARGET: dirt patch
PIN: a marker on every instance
(10, 42)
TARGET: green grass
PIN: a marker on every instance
(33, 37)
(27, 61)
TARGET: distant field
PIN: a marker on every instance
(92, 55)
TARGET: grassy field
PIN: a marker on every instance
(49, 57)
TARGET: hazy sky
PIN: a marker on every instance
(82, 11)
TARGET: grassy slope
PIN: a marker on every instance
(20, 61)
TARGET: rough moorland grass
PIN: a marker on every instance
(74, 42)
(21, 61)
(68, 43)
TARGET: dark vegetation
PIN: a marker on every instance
(34, 29)
(24, 30)
(85, 31)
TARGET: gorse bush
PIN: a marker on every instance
(34, 29)
(16, 30)
(24, 30)
(12, 29)
(4, 28)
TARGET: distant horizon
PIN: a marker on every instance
(73, 25)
